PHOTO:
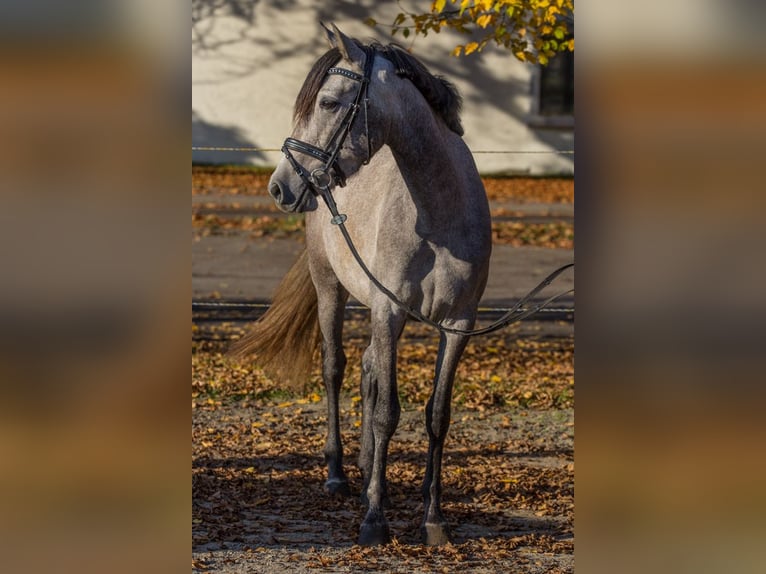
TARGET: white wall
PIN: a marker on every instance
(250, 57)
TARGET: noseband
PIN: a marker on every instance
(319, 180)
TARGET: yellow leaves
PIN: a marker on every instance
(312, 398)
(471, 47)
(557, 234)
(551, 14)
(212, 403)
(484, 20)
(515, 25)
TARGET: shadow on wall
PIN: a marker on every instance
(204, 13)
(223, 44)
(203, 133)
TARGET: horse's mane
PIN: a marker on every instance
(440, 94)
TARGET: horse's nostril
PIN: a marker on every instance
(275, 191)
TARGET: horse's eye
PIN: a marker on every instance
(329, 105)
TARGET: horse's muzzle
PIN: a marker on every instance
(288, 201)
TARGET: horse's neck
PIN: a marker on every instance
(433, 161)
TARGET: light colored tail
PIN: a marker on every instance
(284, 341)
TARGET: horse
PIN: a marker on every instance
(379, 138)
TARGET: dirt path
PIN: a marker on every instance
(235, 266)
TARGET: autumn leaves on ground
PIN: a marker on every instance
(258, 503)
(261, 219)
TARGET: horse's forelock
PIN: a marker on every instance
(304, 103)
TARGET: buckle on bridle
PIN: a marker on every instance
(320, 178)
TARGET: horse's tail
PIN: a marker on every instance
(284, 341)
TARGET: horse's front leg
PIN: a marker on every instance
(434, 529)
(331, 310)
(369, 392)
(382, 418)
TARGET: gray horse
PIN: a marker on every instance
(382, 135)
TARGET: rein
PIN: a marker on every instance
(319, 183)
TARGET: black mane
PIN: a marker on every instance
(440, 94)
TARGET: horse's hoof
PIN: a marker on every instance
(337, 487)
(374, 533)
(435, 533)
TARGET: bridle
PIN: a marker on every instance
(319, 180)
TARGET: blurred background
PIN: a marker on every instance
(669, 210)
(94, 296)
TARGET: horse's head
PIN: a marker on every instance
(334, 133)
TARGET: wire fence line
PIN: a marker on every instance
(199, 305)
(270, 149)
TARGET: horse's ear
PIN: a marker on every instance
(347, 47)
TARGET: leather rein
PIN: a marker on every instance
(320, 179)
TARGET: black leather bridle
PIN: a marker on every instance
(319, 180)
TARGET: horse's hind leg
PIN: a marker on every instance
(331, 310)
(434, 529)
